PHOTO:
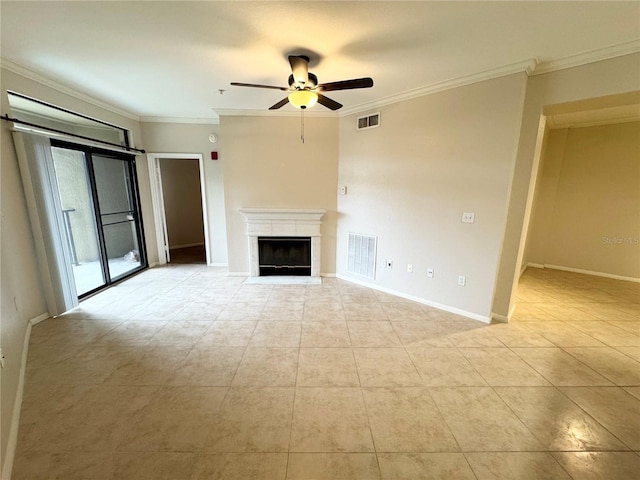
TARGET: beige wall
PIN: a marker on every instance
(265, 165)
(182, 201)
(410, 180)
(587, 212)
(608, 77)
(194, 138)
(22, 297)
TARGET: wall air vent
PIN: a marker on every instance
(362, 255)
(369, 121)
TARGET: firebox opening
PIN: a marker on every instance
(284, 256)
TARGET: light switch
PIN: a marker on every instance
(468, 217)
(343, 189)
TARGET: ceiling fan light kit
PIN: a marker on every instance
(304, 90)
(303, 98)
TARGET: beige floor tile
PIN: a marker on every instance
(325, 333)
(635, 391)
(178, 332)
(607, 333)
(328, 311)
(252, 420)
(333, 466)
(373, 334)
(477, 337)
(276, 334)
(267, 367)
(502, 367)
(428, 333)
(153, 465)
(557, 422)
(148, 365)
(173, 420)
(67, 466)
(564, 335)
(617, 410)
(403, 311)
(424, 466)
(282, 312)
(386, 367)
(207, 365)
(407, 420)
(481, 421)
(364, 312)
(330, 420)
(560, 368)
(244, 311)
(242, 466)
(130, 332)
(512, 465)
(444, 367)
(600, 465)
(228, 334)
(518, 335)
(631, 326)
(327, 367)
(611, 364)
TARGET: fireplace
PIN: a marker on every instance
(284, 256)
(295, 227)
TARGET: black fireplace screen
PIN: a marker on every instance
(284, 256)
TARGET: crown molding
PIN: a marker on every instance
(273, 113)
(526, 66)
(591, 56)
(56, 85)
(197, 121)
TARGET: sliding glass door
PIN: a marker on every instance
(98, 192)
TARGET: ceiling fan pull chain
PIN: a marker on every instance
(302, 125)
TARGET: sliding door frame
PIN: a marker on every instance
(130, 164)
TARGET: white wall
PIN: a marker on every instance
(410, 180)
(608, 77)
(182, 202)
(194, 138)
(587, 213)
(265, 165)
(22, 297)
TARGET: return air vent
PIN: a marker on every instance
(369, 121)
(362, 255)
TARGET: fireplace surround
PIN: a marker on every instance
(269, 222)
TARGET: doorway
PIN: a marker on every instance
(100, 210)
(180, 208)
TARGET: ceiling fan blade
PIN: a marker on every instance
(255, 85)
(347, 84)
(327, 102)
(299, 68)
(280, 104)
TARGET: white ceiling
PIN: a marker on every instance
(169, 59)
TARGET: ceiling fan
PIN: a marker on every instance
(304, 90)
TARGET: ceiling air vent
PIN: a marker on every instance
(369, 121)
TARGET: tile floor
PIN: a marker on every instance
(184, 373)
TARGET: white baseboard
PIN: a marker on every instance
(534, 265)
(219, 264)
(186, 245)
(504, 319)
(424, 301)
(17, 404)
(590, 272)
(328, 275)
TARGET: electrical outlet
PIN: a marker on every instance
(430, 272)
(343, 189)
(410, 268)
(1, 359)
(468, 217)
(462, 280)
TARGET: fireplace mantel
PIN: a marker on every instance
(273, 222)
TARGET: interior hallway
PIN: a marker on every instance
(184, 373)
